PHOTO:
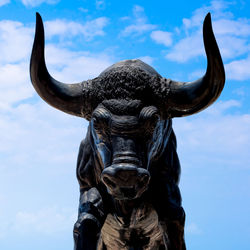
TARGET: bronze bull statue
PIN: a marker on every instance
(128, 169)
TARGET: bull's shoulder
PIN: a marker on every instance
(167, 167)
(85, 169)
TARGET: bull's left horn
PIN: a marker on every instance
(69, 98)
(187, 98)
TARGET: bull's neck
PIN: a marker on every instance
(124, 208)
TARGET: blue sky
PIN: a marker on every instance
(38, 145)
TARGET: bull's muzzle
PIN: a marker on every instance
(125, 181)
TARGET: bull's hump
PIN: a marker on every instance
(134, 63)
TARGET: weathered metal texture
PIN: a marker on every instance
(127, 167)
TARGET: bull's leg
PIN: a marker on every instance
(171, 215)
(175, 219)
(174, 233)
(90, 219)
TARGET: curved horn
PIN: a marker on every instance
(69, 98)
(187, 98)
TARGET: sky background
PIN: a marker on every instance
(39, 145)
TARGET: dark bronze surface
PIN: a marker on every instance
(128, 168)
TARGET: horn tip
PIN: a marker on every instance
(207, 19)
(39, 25)
(38, 15)
(207, 24)
(208, 15)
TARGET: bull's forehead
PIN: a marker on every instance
(131, 64)
(123, 107)
(130, 79)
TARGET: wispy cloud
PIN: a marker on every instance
(69, 29)
(187, 48)
(33, 3)
(231, 34)
(15, 53)
(14, 50)
(14, 87)
(239, 69)
(233, 37)
(193, 228)
(100, 4)
(84, 10)
(162, 37)
(72, 66)
(219, 131)
(32, 133)
(147, 59)
(14, 63)
(4, 2)
(139, 23)
(49, 220)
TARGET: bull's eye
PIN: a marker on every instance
(149, 118)
(95, 123)
(151, 124)
(101, 121)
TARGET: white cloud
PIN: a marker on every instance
(217, 8)
(196, 74)
(69, 66)
(162, 37)
(100, 4)
(49, 220)
(20, 118)
(69, 29)
(193, 228)
(4, 2)
(14, 66)
(14, 50)
(139, 24)
(36, 139)
(239, 27)
(15, 54)
(238, 69)
(13, 84)
(232, 35)
(220, 107)
(232, 47)
(215, 132)
(84, 10)
(34, 3)
(187, 48)
(147, 59)
(192, 46)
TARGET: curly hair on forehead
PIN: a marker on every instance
(125, 83)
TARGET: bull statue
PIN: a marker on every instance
(128, 169)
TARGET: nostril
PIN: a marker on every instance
(108, 182)
(128, 191)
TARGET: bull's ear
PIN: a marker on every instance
(69, 98)
(187, 98)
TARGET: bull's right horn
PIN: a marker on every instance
(187, 98)
(70, 98)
